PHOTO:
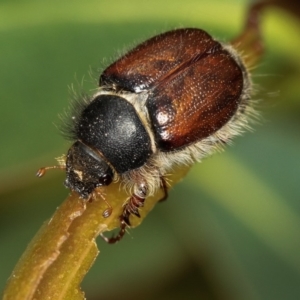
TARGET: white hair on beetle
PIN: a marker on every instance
(161, 163)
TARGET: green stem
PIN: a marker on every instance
(64, 249)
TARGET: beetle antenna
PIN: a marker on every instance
(41, 171)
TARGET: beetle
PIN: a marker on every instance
(171, 100)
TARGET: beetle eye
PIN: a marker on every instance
(106, 179)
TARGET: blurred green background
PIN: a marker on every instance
(231, 229)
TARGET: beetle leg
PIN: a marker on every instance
(250, 40)
(132, 207)
(164, 187)
(107, 212)
(119, 236)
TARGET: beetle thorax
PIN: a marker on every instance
(111, 125)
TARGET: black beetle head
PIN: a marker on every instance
(86, 170)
